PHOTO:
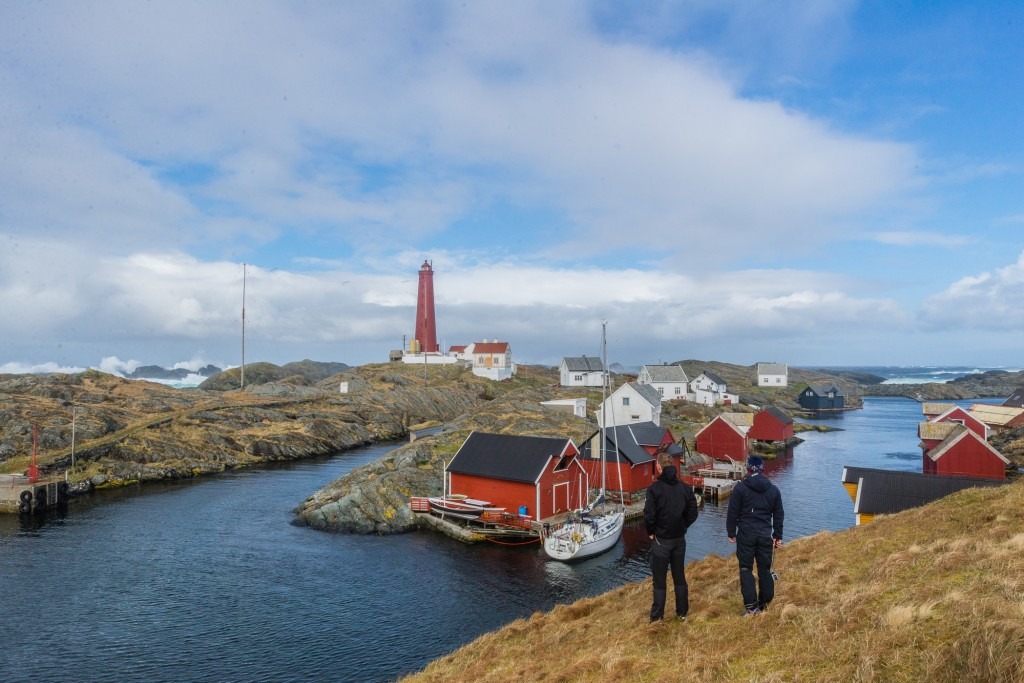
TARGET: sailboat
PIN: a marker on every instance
(594, 529)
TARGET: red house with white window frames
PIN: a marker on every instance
(541, 474)
(630, 454)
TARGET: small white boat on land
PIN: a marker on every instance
(461, 505)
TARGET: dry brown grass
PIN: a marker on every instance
(934, 594)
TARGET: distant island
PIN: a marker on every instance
(157, 372)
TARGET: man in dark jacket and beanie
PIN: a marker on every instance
(669, 510)
(754, 524)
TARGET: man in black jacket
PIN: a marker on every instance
(669, 510)
(754, 524)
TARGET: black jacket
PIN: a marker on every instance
(755, 508)
(670, 507)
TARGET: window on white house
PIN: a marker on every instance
(625, 400)
(678, 391)
(661, 390)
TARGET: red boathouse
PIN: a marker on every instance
(725, 437)
(541, 474)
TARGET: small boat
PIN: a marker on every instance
(584, 535)
(461, 505)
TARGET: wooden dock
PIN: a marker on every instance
(20, 494)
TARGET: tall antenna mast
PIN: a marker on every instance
(242, 386)
(604, 399)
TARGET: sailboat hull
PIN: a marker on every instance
(578, 540)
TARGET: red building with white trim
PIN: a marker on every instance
(630, 454)
(725, 437)
(964, 454)
(541, 474)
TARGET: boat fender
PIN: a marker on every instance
(576, 538)
(26, 496)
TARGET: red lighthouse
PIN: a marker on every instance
(426, 328)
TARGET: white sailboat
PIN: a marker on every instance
(594, 529)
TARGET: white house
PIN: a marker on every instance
(772, 375)
(491, 359)
(629, 404)
(581, 372)
(709, 389)
(669, 380)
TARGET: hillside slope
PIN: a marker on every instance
(932, 594)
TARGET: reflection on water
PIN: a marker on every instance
(208, 580)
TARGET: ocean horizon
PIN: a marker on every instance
(915, 374)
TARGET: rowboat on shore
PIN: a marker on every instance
(461, 505)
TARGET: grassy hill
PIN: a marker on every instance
(932, 594)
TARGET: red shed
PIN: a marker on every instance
(725, 437)
(542, 474)
(771, 424)
(964, 454)
(962, 416)
(630, 453)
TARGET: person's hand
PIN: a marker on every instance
(650, 536)
(732, 539)
(776, 542)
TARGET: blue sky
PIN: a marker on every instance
(812, 183)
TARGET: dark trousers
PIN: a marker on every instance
(667, 553)
(748, 549)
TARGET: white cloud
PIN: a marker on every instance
(341, 120)
(987, 301)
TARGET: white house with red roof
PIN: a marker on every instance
(491, 359)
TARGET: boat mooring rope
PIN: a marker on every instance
(535, 540)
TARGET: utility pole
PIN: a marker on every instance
(242, 385)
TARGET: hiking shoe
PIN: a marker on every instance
(751, 612)
(680, 618)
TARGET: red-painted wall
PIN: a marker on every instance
(966, 419)
(767, 427)
(967, 458)
(512, 495)
(719, 440)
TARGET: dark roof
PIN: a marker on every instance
(823, 389)
(779, 415)
(583, 364)
(631, 439)
(713, 377)
(1016, 399)
(887, 491)
(652, 395)
(506, 456)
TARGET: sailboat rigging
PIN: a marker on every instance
(594, 529)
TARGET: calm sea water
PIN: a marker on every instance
(208, 580)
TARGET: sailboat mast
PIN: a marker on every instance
(604, 399)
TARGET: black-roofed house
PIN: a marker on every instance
(822, 397)
(670, 380)
(582, 371)
(885, 492)
(541, 474)
(629, 404)
(709, 389)
(1016, 399)
(630, 453)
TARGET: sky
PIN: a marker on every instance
(814, 183)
